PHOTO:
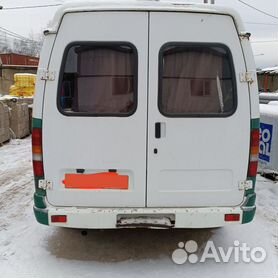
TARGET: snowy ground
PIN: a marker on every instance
(28, 249)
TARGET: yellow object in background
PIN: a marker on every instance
(24, 85)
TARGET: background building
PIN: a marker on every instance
(268, 79)
(11, 63)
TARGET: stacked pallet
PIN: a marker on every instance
(24, 85)
(4, 123)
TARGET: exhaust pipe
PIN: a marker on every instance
(209, 2)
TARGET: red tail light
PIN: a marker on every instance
(58, 218)
(252, 169)
(255, 140)
(232, 217)
(37, 152)
(254, 152)
(38, 168)
(37, 137)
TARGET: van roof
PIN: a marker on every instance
(141, 5)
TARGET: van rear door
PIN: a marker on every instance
(199, 112)
(94, 116)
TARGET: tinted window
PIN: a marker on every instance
(196, 80)
(99, 79)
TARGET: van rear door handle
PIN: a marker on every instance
(157, 130)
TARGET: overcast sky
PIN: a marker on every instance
(264, 28)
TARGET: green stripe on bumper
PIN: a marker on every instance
(249, 208)
(251, 200)
(36, 123)
(255, 123)
(251, 191)
(41, 215)
(249, 215)
(39, 200)
(39, 190)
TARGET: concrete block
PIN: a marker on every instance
(4, 123)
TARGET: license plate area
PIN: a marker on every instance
(96, 181)
(146, 221)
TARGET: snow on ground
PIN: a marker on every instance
(267, 204)
(28, 249)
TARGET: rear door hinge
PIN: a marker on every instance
(45, 185)
(244, 35)
(245, 185)
(46, 75)
(249, 76)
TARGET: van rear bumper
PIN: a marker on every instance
(108, 218)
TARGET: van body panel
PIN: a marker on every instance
(187, 167)
(183, 172)
(253, 87)
(205, 157)
(97, 144)
(134, 5)
(40, 84)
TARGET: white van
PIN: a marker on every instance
(146, 115)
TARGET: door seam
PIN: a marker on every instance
(147, 123)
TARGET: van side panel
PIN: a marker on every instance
(40, 84)
(253, 87)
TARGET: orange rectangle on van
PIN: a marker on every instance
(105, 180)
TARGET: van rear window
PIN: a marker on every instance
(196, 80)
(98, 79)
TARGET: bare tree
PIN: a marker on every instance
(30, 46)
(35, 43)
(5, 49)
